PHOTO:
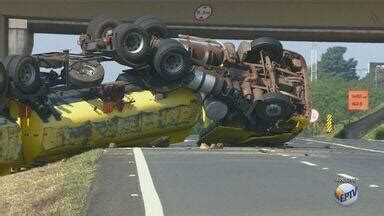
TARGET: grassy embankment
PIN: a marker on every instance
(55, 189)
(330, 96)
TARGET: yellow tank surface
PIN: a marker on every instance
(10, 145)
(238, 136)
(145, 119)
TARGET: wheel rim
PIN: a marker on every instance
(105, 32)
(173, 63)
(27, 74)
(86, 70)
(134, 42)
(273, 110)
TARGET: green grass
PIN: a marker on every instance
(376, 134)
(55, 189)
(329, 95)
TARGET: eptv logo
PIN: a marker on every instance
(346, 194)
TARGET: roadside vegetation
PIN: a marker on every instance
(55, 189)
(336, 76)
(376, 134)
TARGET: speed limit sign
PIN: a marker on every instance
(315, 115)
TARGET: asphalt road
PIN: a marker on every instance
(184, 180)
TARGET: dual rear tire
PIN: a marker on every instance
(131, 42)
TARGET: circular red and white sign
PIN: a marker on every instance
(203, 12)
(315, 115)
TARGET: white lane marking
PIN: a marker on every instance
(374, 186)
(325, 168)
(132, 175)
(131, 162)
(134, 195)
(152, 203)
(190, 140)
(346, 176)
(345, 146)
(284, 155)
(308, 163)
(293, 157)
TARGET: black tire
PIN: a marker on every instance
(99, 25)
(275, 106)
(271, 46)
(230, 53)
(131, 42)
(7, 60)
(171, 59)
(137, 64)
(25, 73)
(86, 74)
(3, 80)
(243, 49)
(153, 26)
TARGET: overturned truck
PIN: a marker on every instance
(256, 94)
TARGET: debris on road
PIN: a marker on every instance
(216, 146)
(112, 145)
(266, 150)
(204, 146)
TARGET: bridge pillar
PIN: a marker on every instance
(20, 37)
(3, 36)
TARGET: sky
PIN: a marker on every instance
(362, 52)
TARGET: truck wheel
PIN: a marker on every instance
(171, 59)
(136, 64)
(131, 42)
(153, 26)
(270, 45)
(3, 80)
(7, 60)
(25, 73)
(100, 25)
(230, 53)
(275, 106)
(86, 74)
(243, 49)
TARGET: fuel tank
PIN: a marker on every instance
(83, 124)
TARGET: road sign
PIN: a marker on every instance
(203, 12)
(315, 115)
(358, 100)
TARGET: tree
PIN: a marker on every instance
(333, 63)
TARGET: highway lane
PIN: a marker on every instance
(297, 180)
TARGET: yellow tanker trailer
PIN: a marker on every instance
(146, 119)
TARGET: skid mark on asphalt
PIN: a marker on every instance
(152, 203)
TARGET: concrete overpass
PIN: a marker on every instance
(306, 20)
